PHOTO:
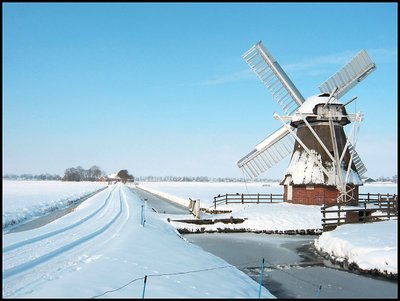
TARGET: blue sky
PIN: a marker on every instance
(161, 88)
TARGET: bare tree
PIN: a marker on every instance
(124, 175)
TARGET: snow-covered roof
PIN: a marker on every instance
(310, 103)
(113, 176)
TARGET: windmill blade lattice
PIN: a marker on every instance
(350, 75)
(274, 78)
(361, 169)
(267, 153)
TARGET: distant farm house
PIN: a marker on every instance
(113, 177)
(368, 180)
(325, 168)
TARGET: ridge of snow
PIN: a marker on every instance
(370, 245)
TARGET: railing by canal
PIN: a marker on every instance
(244, 198)
(371, 207)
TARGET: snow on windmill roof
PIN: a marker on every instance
(310, 103)
(305, 171)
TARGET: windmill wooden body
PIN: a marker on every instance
(324, 166)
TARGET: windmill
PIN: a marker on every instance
(324, 167)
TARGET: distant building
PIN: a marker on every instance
(113, 177)
(368, 180)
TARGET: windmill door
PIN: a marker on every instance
(288, 187)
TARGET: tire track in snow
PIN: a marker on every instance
(52, 254)
(25, 250)
(47, 235)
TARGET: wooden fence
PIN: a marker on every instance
(243, 198)
(372, 207)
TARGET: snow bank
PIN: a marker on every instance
(26, 200)
(274, 217)
(371, 246)
(168, 196)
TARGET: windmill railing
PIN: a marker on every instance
(243, 198)
(371, 207)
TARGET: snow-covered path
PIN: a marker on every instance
(101, 246)
(59, 246)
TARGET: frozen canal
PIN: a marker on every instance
(293, 268)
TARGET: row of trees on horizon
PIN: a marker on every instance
(77, 174)
(94, 173)
(74, 174)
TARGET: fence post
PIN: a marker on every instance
(270, 197)
(197, 208)
(226, 198)
(365, 212)
(242, 198)
(388, 205)
(318, 291)
(142, 214)
(144, 286)
(258, 198)
(215, 203)
(261, 277)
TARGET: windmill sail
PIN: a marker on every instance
(350, 75)
(267, 153)
(274, 78)
(361, 169)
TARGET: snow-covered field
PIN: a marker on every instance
(206, 191)
(102, 250)
(25, 200)
(101, 246)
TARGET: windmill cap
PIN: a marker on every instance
(308, 106)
